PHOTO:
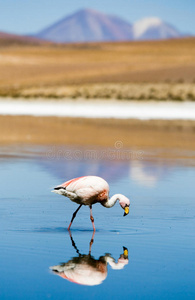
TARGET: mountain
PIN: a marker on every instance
(154, 29)
(86, 26)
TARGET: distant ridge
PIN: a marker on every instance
(88, 25)
(10, 39)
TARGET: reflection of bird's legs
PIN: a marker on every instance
(74, 215)
(91, 217)
(91, 242)
(73, 243)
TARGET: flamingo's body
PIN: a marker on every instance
(84, 270)
(88, 190)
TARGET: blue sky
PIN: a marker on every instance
(29, 16)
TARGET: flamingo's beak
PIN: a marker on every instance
(125, 252)
(126, 211)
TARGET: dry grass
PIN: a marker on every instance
(86, 69)
(131, 91)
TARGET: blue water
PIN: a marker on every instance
(158, 232)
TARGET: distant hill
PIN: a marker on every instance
(87, 26)
(154, 29)
(10, 39)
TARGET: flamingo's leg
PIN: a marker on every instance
(73, 243)
(91, 242)
(73, 216)
(91, 217)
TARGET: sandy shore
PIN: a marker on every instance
(137, 134)
(162, 126)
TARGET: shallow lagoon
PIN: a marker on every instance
(158, 232)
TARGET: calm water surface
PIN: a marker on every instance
(158, 232)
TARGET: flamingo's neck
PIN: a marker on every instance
(115, 266)
(111, 201)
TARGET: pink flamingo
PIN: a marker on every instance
(88, 190)
(86, 270)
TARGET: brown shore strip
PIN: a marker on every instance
(133, 134)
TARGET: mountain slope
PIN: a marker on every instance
(154, 29)
(88, 25)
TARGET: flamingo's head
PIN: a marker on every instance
(124, 203)
(123, 259)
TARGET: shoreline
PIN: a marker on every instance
(99, 109)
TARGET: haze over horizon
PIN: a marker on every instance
(25, 17)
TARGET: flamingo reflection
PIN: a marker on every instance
(84, 269)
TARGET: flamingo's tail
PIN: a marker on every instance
(59, 190)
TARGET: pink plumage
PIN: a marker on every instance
(88, 190)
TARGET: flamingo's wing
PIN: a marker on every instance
(82, 272)
(67, 183)
(66, 189)
(89, 189)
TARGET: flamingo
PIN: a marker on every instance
(84, 269)
(88, 190)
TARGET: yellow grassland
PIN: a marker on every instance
(127, 70)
